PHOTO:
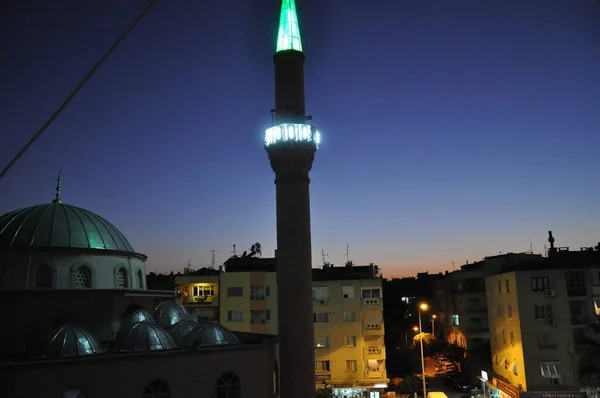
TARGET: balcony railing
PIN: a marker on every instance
(371, 301)
(199, 299)
(374, 350)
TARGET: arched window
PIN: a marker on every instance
(228, 386)
(74, 393)
(83, 277)
(43, 277)
(157, 389)
(122, 279)
(140, 279)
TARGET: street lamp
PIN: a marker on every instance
(415, 329)
(433, 324)
(422, 307)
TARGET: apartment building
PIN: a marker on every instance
(348, 315)
(198, 291)
(539, 317)
(463, 297)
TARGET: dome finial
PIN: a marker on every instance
(58, 188)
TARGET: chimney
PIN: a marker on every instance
(551, 240)
(220, 268)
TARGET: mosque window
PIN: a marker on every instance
(43, 277)
(228, 386)
(83, 277)
(157, 389)
(122, 280)
(140, 279)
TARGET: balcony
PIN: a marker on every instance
(375, 374)
(373, 329)
(203, 300)
(374, 352)
(371, 301)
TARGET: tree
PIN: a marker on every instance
(455, 352)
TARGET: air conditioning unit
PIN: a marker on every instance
(550, 322)
(550, 293)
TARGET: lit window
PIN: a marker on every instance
(321, 341)
(455, 321)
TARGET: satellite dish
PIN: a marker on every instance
(252, 248)
(257, 247)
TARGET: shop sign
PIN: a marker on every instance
(554, 394)
(322, 377)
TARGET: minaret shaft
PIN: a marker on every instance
(289, 87)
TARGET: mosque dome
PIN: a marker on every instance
(168, 313)
(60, 225)
(209, 335)
(146, 336)
(129, 319)
(181, 329)
(70, 341)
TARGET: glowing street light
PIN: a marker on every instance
(433, 324)
(415, 329)
(422, 307)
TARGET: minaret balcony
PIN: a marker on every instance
(292, 132)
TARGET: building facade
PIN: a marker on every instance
(347, 316)
(465, 319)
(539, 320)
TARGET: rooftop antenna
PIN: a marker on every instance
(347, 252)
(530, 247)
(57, 198)
(212, 258)
(233, 250)
(323, 255)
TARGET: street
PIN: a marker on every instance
(436, 383)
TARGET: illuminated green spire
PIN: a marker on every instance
(288, 37)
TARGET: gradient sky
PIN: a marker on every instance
(451, 129)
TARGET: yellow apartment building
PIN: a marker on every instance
(539, 317)
(348, 315)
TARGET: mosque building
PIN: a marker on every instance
(79, 320)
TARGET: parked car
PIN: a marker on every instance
(462, 385)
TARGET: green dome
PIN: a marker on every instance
(60, 225)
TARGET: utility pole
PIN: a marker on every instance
(347, 253)
(323, 255)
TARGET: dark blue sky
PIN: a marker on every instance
(451, 129)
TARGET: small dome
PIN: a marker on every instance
(168, 313)
(129, 320)
(70, 341)
(146, 336)
(60, 225)
(209, 335)
(181, 329)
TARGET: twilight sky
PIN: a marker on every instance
(451, 129)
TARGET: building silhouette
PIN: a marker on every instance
(291, 145)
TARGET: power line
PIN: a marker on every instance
(77, 88)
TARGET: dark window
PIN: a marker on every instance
(235, 291)
(157, 389)
(140, 279)
(507, 286)
(228, 386)
(122, 278)
(538, 284)
(499, 286)
(44, 277)
(543, 312)
(83, 277)
(575, 283)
